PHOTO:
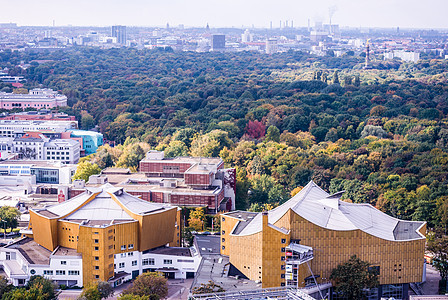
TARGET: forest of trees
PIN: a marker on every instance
(282, 120)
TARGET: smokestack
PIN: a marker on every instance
(292, 24)
(286, 24)
(271, 25)
(280, 24)
(308, 25)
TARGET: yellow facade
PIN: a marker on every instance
(259, 257)
(399, 261)
(99, 243)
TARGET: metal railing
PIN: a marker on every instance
(281, 293)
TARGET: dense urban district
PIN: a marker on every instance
(291, 163)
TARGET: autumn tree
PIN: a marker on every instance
(148, 284)
(273, 134)
(351, 277)
(437, 244)
(86, 169)
(5, 287)
(197, 219)
(37, 287)
(10, 216)
(255, 129)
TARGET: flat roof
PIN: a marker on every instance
(245, 215)
(37, 163)
(64, 251)
(199, 169)
(175, 251)
(32, 251)
(187, 159)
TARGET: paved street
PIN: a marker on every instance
(431, 286)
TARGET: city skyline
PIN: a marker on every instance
(232, 13)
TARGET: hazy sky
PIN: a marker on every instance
(226, 13)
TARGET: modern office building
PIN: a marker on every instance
(90, 140)
(15, 128)
(300, 242)
(247, 37)
(36, 146)
(218, 42)
(45, 172)
(36, 98)
(103, 234)
(119, 32)
(271, 46)
(410, 56)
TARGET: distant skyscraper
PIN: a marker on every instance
(119, 32)
(246, 37)
(271, 46)
(218, 42)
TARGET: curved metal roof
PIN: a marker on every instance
(327, 211)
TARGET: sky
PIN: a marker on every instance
(226, 13)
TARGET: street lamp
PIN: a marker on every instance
(4, 229)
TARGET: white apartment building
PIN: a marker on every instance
(173, 262)
(39, 147)
(63, 150)
(404, 55)
(25, 258)
(51, 172)
(11, 128)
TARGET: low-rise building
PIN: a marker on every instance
(36, 98)
(90, 140)
(42, 115)
(45, 172)
(14, 128)
(188, 181)
(36, 146)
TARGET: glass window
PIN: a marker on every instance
(148, 261)
(134, 263)
(167, 261)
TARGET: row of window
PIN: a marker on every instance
(130, 246)
(61, 272)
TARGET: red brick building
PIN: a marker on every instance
(181, 181)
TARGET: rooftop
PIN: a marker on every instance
(31, 251)
(175, 251)
(64, 251)
(102, 205)
(37, 163)
(188, 159)
(328, 211)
